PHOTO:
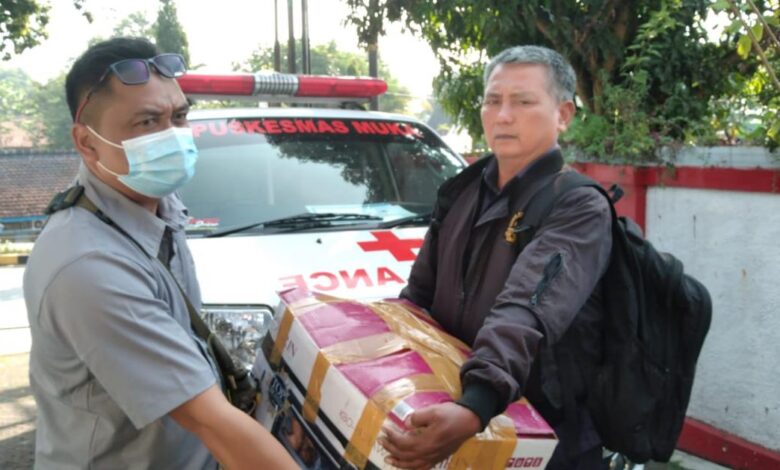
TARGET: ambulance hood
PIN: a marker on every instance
(357, 264)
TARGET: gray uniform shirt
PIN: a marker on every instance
(112, 348)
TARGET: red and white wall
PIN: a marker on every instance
(719, 212)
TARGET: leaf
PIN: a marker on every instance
(758, 31)
(743, 46)
(720, 5)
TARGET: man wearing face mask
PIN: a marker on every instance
(119, 376)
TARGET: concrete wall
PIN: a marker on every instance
(731, 242)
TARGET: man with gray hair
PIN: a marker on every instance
(521, 304)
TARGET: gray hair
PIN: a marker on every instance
(563, 81)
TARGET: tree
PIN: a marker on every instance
(134, 25)
(327, 59)
(15, 100)
(751, 112)
(168, 32)
(609, 43)
(52, 116)
(23, 24)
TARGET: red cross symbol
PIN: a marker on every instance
(401, 249)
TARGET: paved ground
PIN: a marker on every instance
(17, 413)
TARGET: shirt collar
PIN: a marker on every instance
(490, 173)
(143, 226)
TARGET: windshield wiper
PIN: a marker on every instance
(417, 219)
(299, 222)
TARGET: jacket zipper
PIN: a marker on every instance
(551, 269)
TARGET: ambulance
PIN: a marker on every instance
(303, 188)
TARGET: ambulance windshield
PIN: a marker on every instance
(259, 169)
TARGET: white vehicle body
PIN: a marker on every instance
(262, 164)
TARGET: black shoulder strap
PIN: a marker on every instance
(233, 375)
(536, 211)
(542, 203)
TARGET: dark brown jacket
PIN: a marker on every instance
(478, 288)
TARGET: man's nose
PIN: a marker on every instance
(505, 113)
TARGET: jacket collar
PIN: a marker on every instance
(523, 184)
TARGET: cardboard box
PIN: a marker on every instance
(334, 371)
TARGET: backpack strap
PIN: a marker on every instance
(555, 370)
(542, 203)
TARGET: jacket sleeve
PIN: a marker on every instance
(548, 284)
(422, 278)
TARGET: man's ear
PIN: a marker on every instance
(83, 140)
(566, 112)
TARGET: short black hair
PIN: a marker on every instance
(91, 65)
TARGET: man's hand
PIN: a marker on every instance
(233, 438)
(434, 434)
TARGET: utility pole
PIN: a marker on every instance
(291, 40)
(277, 46)
(373, 52)
(305, 47)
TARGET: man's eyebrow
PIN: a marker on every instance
(183, 108)
(148, 112)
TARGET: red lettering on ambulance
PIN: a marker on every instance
(218, 128)
(324, 127)
(380, 128)
(385, 275)
(394, 128)
(272, 126)
(333, 281)
(198, 128)
(340, 127)
(296, 281)
(288, 126)
(254, 127)
(362, 127)
(236, 127)
(306, 126)
(351, 282)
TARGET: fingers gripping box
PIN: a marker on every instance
(333, 372)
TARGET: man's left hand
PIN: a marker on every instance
(434, 434)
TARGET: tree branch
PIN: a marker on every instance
(767, 28)
(608, 5)
(756, 43)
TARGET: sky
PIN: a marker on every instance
(222, 32)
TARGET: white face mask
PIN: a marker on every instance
(159, 163)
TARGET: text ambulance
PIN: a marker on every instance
(334, 200)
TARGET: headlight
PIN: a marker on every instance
(240, 329)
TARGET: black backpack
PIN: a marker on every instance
(655, 318)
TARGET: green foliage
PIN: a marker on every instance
(623, 132)
(327, 59)
(134, 25)
(52, 117)
(39, 110)
(459, 93)
(23, 24)
(749, 112)
(15, 89)
(657, 55)
(168, 32)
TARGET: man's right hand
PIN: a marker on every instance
(236, 440)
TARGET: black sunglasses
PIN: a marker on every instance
(138, 72)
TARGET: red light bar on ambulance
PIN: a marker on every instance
(281, 87)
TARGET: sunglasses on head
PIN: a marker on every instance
(138, 72)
